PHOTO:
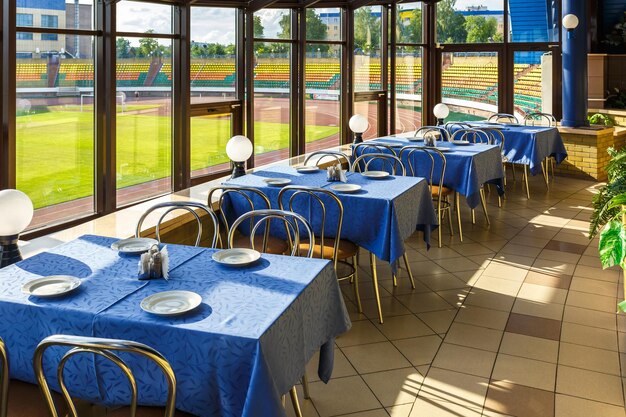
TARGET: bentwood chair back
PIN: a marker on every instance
(4, 380)
(382, 160)
(540, 119)
(366, 148)
(470, 135)
(424, 131)
(452, 126)
(189, 206)
(108, 349)
(321, 157)
(503, 118)
(293, 224)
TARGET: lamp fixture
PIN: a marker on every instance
(239, 150)
(441, 111)
(358, 124)
(16, 212)
(570, 22)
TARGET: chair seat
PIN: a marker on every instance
(145, 412)
(275, 245)
(26, 400)
(346, 249)
(445, 191)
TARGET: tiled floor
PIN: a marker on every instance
(517, 320)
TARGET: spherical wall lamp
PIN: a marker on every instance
(16, 212)
(441, 111)
(570, 22)
(358, 124)
(239, 150)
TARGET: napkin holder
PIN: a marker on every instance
(430, 140)
(335, 173)
(154, 264)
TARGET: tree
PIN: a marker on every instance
(258, 27)
(122, 47)
(366, 30)
(480, 30)
(316, 29)
(413, 29)
(148, 46)
(450, 24)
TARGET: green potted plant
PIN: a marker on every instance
(609, 215)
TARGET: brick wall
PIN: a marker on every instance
(587, 153)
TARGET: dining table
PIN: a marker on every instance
(244, 346)
(467, 167)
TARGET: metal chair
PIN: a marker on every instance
(438, 191)
(424, 130)
(383, 158)
(268, 243)
(366, 148)
(542, 119)
(472, 135)
(331, 246)
(108, 349)
(503, 117)
(337, 156)
(450, 126)
(189, 206)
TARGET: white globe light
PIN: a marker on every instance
(570, 21)
(16, 212)
(441, 111)
(358, 123)
(239, 148)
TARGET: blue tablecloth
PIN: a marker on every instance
(467, 167)
(379, 218)
(245, 345)
(530, 145)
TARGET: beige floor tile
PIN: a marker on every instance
(471, 249)
(594, 286)
(588, 336)
(542, 294)
(591, 318)
(590, 385)
(501, 270)
(439, 321)
(399, 386)
(474, 336)
(342, 396)
(556, 281)
(489, 299)
(469, 277)
(424, 302)
(419, 350)
(554, 255)
(537, 242)
(517, 261)
(530, 347)
(498, 285)
(448, 393)
(524, 371)
(517, 249)
(483, 317)
(534, 308)
(592, 359)
(379, 412)
(426, 268)
(306, 406)
(442, 253)
(403, 285)
(400, 410)
(597, 273)
(360, 333)
(455, 358)
(441, 282)
(592, 261)
(390, 306)
(568, 406)
(341, 367)
(455, 297)
(375, 357)
(592, 301)
(458, 264)
(546, 266)
(507, 399)
(403, 327)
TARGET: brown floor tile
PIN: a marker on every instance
(504, 397)
(555, 281)
(399, 386)
(591, 385)
(566, 247)
(568, 406)
(524, 371)
(534, 326)
(419, 350)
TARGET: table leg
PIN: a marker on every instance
(457, 201)
(375, 283)
(408, 269)
(526, 181)
(294, 400)
(305, 386)
(483, 201)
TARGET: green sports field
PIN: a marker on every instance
(55, 152)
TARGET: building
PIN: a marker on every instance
(43, 14)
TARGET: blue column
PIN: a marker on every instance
(575, 66)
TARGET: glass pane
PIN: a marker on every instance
(533, 21)
(213, 54)
(533, 82)
(409, 24)
(144, 120)
(141, 17)
(55, 134)
(209, 135)
(368, 109)
(469, 84)
(323, 24)
(323, 105)
(459, 22)
(271, 102)
(367, 34)
(408, 88)
(272, 24)
(58, 14)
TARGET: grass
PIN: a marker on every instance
(55, 150)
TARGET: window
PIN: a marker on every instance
(539, 23)
(21, 36)
(470, 24)
(49, 21)
(367, 48)
(23, 19)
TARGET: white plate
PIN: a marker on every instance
(416, 139)
(440, 149)
(460, 142)
(345, 188)
(375, 174)
(52, 286)
(307, 170)
(277, 182)
(171, 303)
(236, 256)
(134, 245)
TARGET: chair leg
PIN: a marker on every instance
(355, 282)
(305, 386)
(473, 216)
(526, 181)
(375, 283)
(408, 269)
(504, 171)
(544, 171)
(483, 202)
(552, 163)
(294, 400)
(439, 223)
(450, 221)
(458, 215)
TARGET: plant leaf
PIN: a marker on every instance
(612, 246)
